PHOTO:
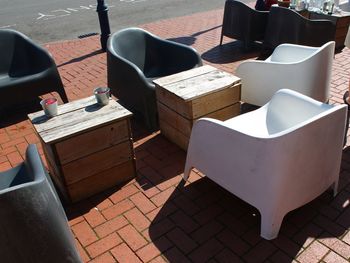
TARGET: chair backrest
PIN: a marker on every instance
(287, 26)
(7, 46)
(243, 22)
(33, 223)
(288, 108)
(130, 44)
(20, 56)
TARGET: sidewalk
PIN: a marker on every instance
(155, 218)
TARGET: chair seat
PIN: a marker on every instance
(252, 123)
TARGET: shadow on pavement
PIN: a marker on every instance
(204, 221)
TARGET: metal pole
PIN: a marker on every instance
(102, 10)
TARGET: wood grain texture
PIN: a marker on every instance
(88, 147)
(96, 162)
(201, 92)
(101, 181)
(212, 102)
(178, 128)
(92, 141)
(172, 118)
(76, 118)
(181, 76)
(174, 135)
(198, 86)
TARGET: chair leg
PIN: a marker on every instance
(270, 224)
(335, 188)
(63, 96)
(187, 171)
(345, 96)
(222, 36)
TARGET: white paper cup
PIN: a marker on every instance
(49, 106)
(102, 95)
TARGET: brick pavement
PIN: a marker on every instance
(155, 217)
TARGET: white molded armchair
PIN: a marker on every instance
(301, 68)
(276, 158)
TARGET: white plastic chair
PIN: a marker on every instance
(276, 158)
(300, 68)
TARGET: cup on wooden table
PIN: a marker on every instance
(49, 106)
(102, 95)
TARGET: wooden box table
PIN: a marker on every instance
(341, 22)
(88, 147)
(184, 97)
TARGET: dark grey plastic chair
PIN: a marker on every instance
(287, 26)
(135, 58)
(243, 23)
(33, 224)
(26, 70)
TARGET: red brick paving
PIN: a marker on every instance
(155, 218)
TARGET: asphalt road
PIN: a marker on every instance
(52, 20)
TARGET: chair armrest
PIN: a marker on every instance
(228, 156)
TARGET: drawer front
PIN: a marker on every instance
(174, 135)
(174, 119)
(215, 101)
(102, 181)
(226, 113)
(174, 102)
(87, 143)
(97, 162)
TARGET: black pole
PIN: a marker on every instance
(102, 10)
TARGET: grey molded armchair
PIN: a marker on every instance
(243, 23)
(287, 26)
(134, 58)
(26, 69)
(33, 224)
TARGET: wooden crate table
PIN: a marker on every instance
(341, 22)
(88, 147)
(184, 97)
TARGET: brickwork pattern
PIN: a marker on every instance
(158, 218)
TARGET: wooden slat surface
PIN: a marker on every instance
(201, 85)
(97, 162)
(226, 113)
(184, 75)
(89, 142)
(174, 119)
(101, 181)
(214, 101)
(76, 117)
(174, 135)
(64, 108)
(174, 102)
(178, 128)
